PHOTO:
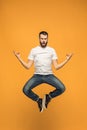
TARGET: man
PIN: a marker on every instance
(43, 57)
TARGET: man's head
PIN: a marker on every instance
(43, 38)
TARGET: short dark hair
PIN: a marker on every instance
(43, 32)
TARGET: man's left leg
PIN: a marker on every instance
(55, 82)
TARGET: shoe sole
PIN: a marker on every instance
(43, 102)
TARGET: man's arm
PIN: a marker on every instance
(58, 66)
(26, 65)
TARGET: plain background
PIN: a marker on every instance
(20, 23)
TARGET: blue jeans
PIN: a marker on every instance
(37, 79)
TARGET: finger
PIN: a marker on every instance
(71, 54)
(67, 54)
(14, 52)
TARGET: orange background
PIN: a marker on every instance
(20, 23)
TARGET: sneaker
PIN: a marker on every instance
(46, 100)
(40, 105)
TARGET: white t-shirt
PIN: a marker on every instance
(42, 59)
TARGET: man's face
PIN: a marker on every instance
(43, 40)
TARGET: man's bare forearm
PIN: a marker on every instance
(58, 66)
(61, 64)
(23, 63)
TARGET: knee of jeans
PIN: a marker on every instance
(25, 90)
(63, 88)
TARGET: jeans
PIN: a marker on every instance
(37, 79)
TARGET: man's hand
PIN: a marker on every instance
(27, 64)
(17, 54)
(68, 56)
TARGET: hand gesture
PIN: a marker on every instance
(68, 56)
(17, 54)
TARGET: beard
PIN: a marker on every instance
(43, 44)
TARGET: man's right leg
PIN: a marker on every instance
(27, 89)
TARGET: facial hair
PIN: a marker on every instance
(43, 44)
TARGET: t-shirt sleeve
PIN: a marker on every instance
(31, 55)
(54, 55)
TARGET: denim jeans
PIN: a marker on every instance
(37, 79)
